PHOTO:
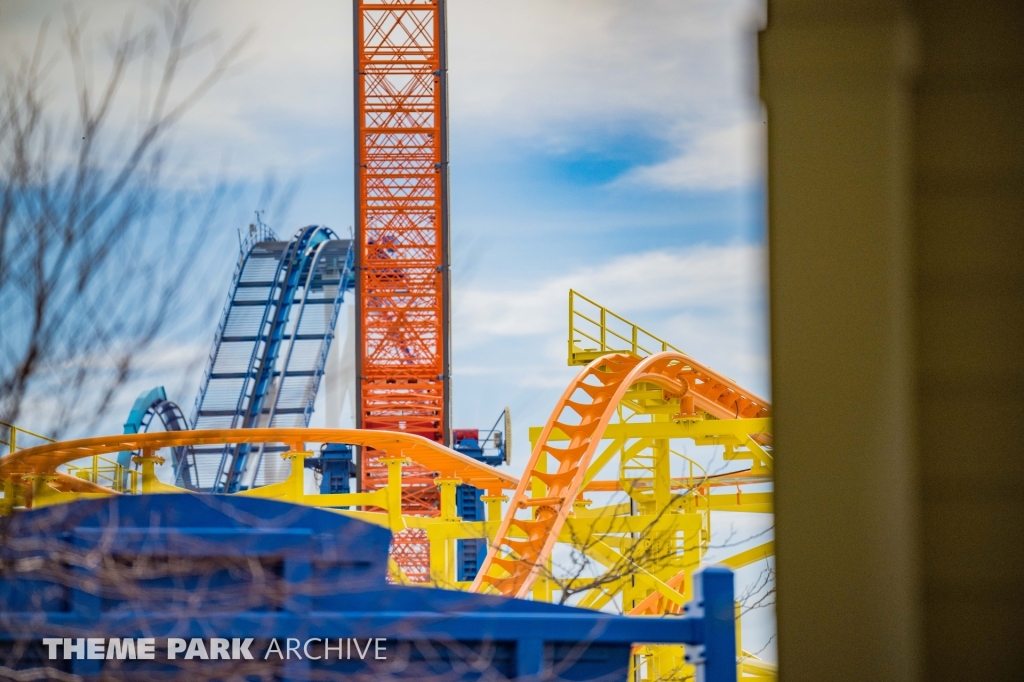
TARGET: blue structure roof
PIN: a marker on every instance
(214, 567)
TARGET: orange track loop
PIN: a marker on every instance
(45, 459)
(590, 401)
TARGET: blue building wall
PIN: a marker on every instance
(223, 567)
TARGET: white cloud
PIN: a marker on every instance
(533, 64)
(717, 276)
(286, 105)
(553, 71)
(706, 300)
(720, 158)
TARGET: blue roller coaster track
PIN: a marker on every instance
(154, 404)
(269, 354)
(270, 348)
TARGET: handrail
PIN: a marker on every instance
(12, 444)
(605, 336)
(103, 469)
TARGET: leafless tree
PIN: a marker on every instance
(99, 234)
(647, 550)
(650, 550)
(578, 573)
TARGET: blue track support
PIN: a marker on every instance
(233, 464)
(335, 467)
(214, 566)
(470, 554)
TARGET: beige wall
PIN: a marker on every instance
(896, 229)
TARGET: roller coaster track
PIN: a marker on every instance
(531, 526)
(154, 403)
(42, 461)
(270, 348)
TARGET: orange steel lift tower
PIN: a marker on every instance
(402, 281)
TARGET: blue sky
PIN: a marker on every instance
(611, 146)
(589, 138)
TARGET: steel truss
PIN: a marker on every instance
(402, 237)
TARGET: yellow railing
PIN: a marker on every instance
(101, 470)
(108, 473)
(595, 331)
(12, 436)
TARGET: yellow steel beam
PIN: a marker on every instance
(755, 503)
(760, 455)
(621, 509)
(750, 556)
(603, 593)
(703, 431)
(752, 668)
(602, 460)
(589, 527)
(610, 558)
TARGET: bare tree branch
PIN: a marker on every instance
(96, 242)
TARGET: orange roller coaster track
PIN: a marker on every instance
(19, 468)
(402, 280)
(531, 526)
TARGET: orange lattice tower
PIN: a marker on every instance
(402, 356)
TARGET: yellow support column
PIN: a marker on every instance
(147, 461)
(296, 475)
(492, 501)
(442, 550)
(449, 507)
(542, 587)
(666, 664)
(394, 488)
(7, 505)
(662, 469)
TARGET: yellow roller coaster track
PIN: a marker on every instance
(583, 414)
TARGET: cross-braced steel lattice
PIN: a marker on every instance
(402, 235)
